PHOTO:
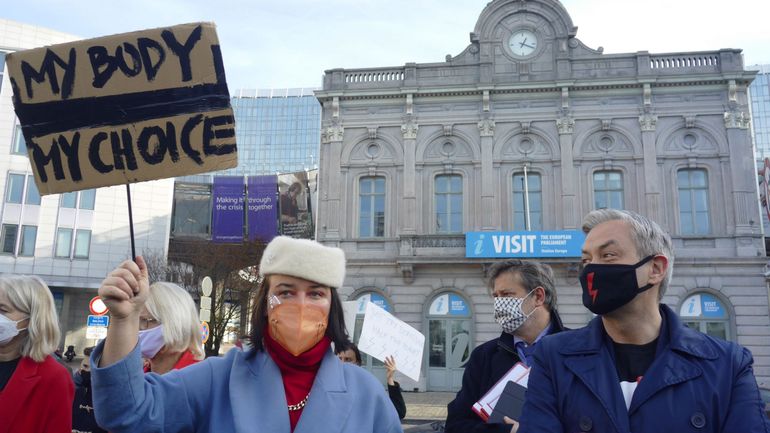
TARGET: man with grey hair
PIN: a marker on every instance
(525, 308)
(636, 367)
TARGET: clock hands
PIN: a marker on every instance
(524, 44)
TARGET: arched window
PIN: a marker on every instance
(448, 202)
(608, 189)
(693, 188)
(706, 313)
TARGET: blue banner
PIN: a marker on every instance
(263, 209)
(566, 243)
(227, 209)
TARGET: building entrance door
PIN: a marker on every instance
(449, 342)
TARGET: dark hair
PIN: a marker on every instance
(87, 351)
(296, 186)
(348, 346)
(532, 275)
(335, 329)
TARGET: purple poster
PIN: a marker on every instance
(263, 212)
(227, 209)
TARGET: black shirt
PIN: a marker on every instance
(6, 371)
(632, 361)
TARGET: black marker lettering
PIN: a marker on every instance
(124, 150)
(189, 125)
(209, 134)
(93, 153)
(183, 51)
(48, 68)
(156, 155)
(136, 58)
(102, 64)
(42, 159)
(171, 136)
(71, 150)
(145, 45)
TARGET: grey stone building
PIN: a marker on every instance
(415, 156)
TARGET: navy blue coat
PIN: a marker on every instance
(488, 363)
(695, 384)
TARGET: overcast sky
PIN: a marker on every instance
(289, 43)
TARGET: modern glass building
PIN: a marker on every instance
(759, 95)
(277, 131)
(759, 92)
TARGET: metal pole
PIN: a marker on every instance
(526, 198)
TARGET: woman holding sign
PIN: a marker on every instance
(36, 392)
(290, 381)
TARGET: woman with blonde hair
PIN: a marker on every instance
(36, 392)
(169, 330)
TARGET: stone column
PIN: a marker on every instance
(409, 132)
(566, 127)
(652, 178)
(331, 149)
(744, 185)
(490, 210)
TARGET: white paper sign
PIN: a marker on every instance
(96, 332)
(384, 335)
(349, 309)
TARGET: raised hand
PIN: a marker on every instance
(125, 289)
(390, 369)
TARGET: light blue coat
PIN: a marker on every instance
(236, 394)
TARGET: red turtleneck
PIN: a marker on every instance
(297, 372)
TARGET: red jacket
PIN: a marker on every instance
(37, 398)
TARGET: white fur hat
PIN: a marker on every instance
(303, 258)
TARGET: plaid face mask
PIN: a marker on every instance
(508, 313)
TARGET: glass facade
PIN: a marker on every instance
(278, 131)
(759, 92)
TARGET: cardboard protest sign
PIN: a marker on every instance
(382, 334)
(124, 108)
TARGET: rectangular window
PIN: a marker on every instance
(372, 210)
(19, 146)
(33, 195)
(9, 233)
(87, 199)
(693, 201)
(82, 244)
(15, 188)
(63, 243)
(449, 204)
(191, 214)
(608, 190)
(69, 200)
(527, 198)
(28, 238)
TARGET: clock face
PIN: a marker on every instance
(522, 43)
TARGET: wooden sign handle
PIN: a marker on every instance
(131, 222)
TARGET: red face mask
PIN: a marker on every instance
(297, 327)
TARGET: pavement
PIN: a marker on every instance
(425, 407)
